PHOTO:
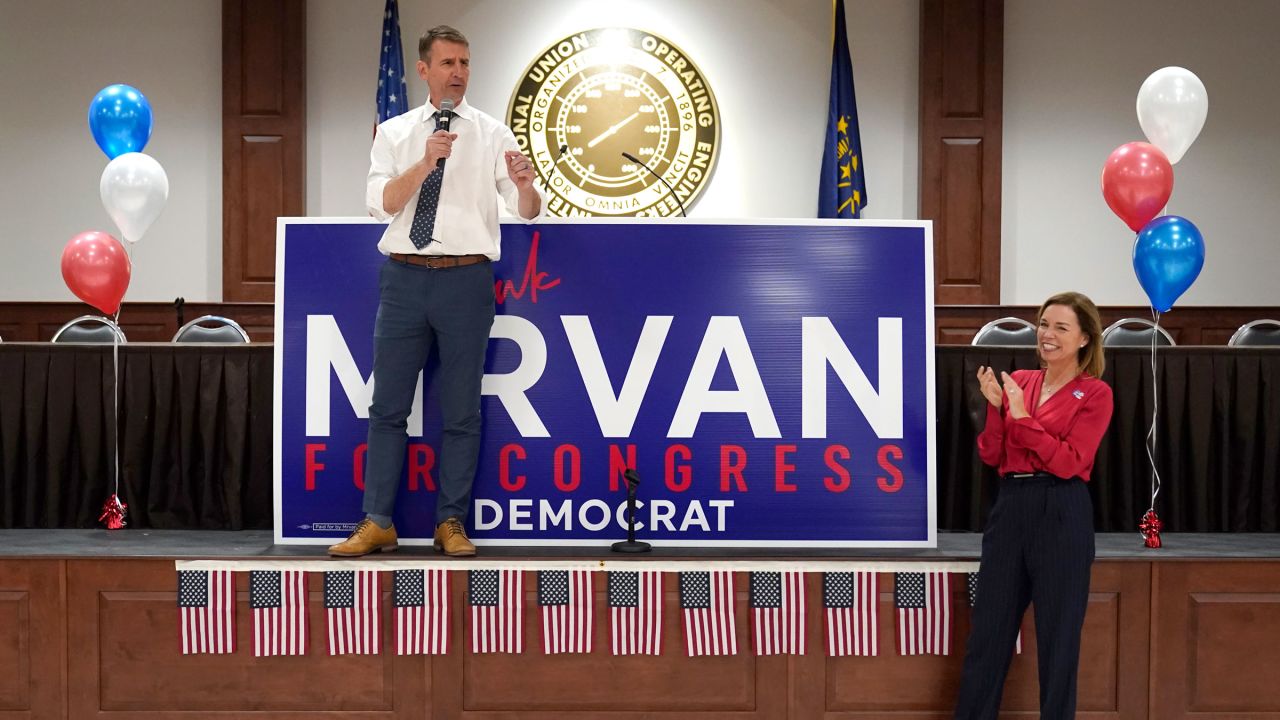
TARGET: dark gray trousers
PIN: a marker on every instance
(1038, 548)
(452, 310)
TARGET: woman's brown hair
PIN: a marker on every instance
(1089, 357)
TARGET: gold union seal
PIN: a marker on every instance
(595, 95)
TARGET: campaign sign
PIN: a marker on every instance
(770, 382)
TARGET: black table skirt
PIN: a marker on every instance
(195, 421)
(197, 433)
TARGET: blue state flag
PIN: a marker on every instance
(842, 188)
(393, 96)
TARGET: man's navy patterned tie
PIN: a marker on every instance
(424, 219)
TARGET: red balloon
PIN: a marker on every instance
(1137, 182)
(96, 268)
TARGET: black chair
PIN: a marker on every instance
(1007, 332)
(1259, 333)
(1135, 332)
(211, 329)
(91, 329)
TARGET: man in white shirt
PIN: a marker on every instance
(440, 189)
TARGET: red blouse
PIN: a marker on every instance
(1060, 437)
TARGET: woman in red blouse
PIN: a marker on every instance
(1042, 431)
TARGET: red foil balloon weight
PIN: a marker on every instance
(1150, 527)
(113, 512)
(96, 268)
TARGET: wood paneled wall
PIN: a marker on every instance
(954, 325)
(264, 138)
(961, 121)
(1162, 640)
(141, 321)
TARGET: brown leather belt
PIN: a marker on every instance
(437, 262)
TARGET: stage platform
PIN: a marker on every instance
(89, 629)
(257, 544)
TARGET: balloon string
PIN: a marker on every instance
(1155, 411)
(115, 380)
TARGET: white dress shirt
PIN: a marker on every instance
(475, 175)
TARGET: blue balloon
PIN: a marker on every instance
(120, 120)
(1167, 258)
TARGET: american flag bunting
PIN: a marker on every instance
(566, 600)
(279, 602)
(207, 610)
(923, 602)
(852, 602)
(353, 606)
(706, 599)
(496, 598)
(778, 612)
(421, 601)
(635, 612)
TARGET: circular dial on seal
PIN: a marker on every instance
(597, 94)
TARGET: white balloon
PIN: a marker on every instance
(1172, 106)
(134, 189)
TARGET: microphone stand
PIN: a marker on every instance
(636, 160)
(631, 545)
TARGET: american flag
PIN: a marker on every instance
(635, 612)
(207, 607)
(973, 602)
(353, 604)
(421, 600)
(497, 610)
(923, 601)
(279, 602)
(707, 601)
(852, 601)
(393, 95)
(568, 615)
(778, 612)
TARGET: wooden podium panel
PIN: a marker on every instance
(1216, 642)
(127, 659)
(32, 640)
(1113, 661)
(535, 685)
(1166, 640)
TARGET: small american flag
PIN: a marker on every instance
(567, 610)
(279, 602)
(973, 602)
(707, 602)
(207, 608)
(353, 604)
(393, 96)
(421, 600)
(635, 612)
(778, 612)
(497, 610)
(852, 601)
(923, 601)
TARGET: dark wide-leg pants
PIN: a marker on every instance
(1038, 548)
(451, 309)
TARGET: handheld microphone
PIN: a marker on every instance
(636, 160)
(443, 121)
(560, 154)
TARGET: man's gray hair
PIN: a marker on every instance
(439, 32)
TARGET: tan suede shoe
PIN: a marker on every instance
(451, 539)
(366, 538)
